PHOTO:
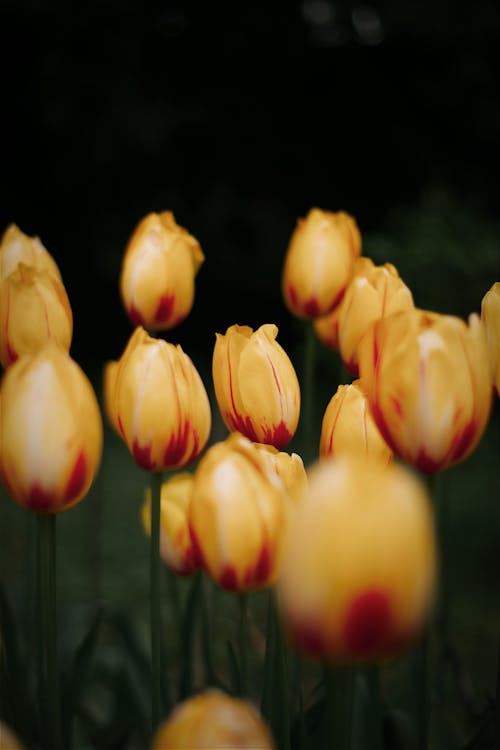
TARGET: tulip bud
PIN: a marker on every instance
(359, 566)
(34, 308)
(50, 431)
(326, 328)
(176, 547)
(237, 515)
(348, 426)
(319, 262)
(213, 720)
(161, 405)
(157, 277)
(8, 740)
(109, 384)
(16, 247)
(427, 379)
(288, 467)
(255, 385)
(490, 314)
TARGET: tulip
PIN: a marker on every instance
(490, 314)
(50, 431)
(176, 548)
(16, 247)
(326, 328)
(213, 720)
(158, 270)
(348, 426)
(237, 515)
(358, 573)
(255, 385)
(319, 262)
(8, 740)
(289, 468)
(161, 405)
(34, 308)
(427, 379)
(110, 373)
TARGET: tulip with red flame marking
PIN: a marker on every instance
(490, 314)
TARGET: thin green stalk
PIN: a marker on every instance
(497, 703)
(310, 449)
(337, 718)
(155, 600)
(243, 643)
(188, 634)
(421, 679)
(276, 694)
(372, 675)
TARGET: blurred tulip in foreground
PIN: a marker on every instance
(213, 721)
(490, 313)
(359, 566)
(160, 404)
(158, 270)
(34, 308)
(176, 547)
(319, 262)
(8, 740)
(427, 379)
(16, 247)
(348, 426)
(50, 431)
(255, 385)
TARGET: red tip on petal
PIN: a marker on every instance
(367, 626)
(311, 308)
(177, 446)
(228, 578)
(77, 479)
(135, 316)
(199, 557)
(165, 308)
(142, 455)
(310, 637)
(264, 565)
(463, 440)
(40, 500)
(426, 464)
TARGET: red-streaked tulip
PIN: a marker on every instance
(326, 328)
(237, 515)
(34, 308)
(348, 426)
(16, 247)
(213, 721)
(176, 547)
(50, 431)
(358, 572)
(427, 379)
(255, 385)
(490, 314)
(158, 270)
(289, 467)
(161, 405)
(319, 262)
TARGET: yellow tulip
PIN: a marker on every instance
(213, 721)
(348, 426)
(237, 515)
(160, 402)
(109, 383)
(326, 328)
(427, 379)
(358, 572)
(158, 270)
(34, 308)
(288, 467)
(16, 247)
(490, 313)
(8, 740)
(319, 262)
(255, 385)
(176, 547)
(50, 431)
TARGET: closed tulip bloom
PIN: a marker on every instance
(158, 270)
(161, 405)
(490, 314)
(289, 467)
(50, 431)
(34, 308)
(255, 384)
(359, 568)
(16, 247)
(427, 379)
(319, 262)
(237, 515)
(176, 547)
(326, 328)
(348, 426)
(109, 384)
(213, 721)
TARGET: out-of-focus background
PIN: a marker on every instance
(239, 119)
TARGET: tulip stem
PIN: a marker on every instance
(46, 599)
(155, 600)
(275, 698)
(337, 717)
(243, 643)
(308, 391)
(372, 675)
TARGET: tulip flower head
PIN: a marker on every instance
(348, 426)
(319, 262)
(50, 431)
(160, 404)
(358, 572)
(237, 515)
(34, 308)
(289, 467)
(176, 547)
(158, 270)
(490, 314)
(16, 247)
(427, 379)
(326, 328)
(255, 384)
(109, 383)
(213, 720)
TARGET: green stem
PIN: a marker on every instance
(310, 448)
(155, 600)
(188, 634)
(420, 666)
(497, 703)
(276, 695)
(243, 643)
(376, 726)
(337, 718)
(46, 599)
